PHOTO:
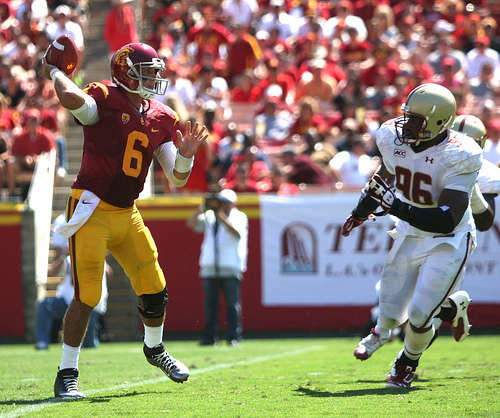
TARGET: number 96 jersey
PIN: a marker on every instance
(119, 148)
(421, 177)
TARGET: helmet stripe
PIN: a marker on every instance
(462, 125)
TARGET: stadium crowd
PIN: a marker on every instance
(292, 91)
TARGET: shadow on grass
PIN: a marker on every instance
(91, 399)
(15, 402)
(351, 393)
(108, 398)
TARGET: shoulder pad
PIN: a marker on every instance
(93, 86)
(464, 154)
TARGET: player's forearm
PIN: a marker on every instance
(69, 94)
(484, 214)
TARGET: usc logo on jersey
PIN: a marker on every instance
(125, 118)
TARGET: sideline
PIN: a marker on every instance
(29, 409)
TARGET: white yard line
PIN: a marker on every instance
(29, 409)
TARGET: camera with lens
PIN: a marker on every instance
(212, 202)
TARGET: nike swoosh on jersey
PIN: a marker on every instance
(155, 130)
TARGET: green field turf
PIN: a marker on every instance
(295, 377)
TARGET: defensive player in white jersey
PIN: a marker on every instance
(488, 181)
(433, 170)
(486, 188)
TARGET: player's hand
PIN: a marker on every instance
(46, 67)
(351, 223)
(192, 140)
(381, 192)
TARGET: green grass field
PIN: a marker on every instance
(306, 377)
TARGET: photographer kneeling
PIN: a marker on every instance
(222, 261)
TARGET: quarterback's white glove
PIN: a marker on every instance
(380, 191)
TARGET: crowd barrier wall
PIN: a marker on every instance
(302, 274)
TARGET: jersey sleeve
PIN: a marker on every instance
(386, 135)
(489, 178)
(465, 156)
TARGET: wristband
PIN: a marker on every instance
(366, 206)
(478, 203)
(183, 164)
(53, 73)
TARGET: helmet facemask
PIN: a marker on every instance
(411, 128)
(136, 73)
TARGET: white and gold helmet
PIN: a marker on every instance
(471, 126)
(429, 110)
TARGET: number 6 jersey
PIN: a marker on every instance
(118, 150)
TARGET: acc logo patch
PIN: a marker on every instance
(125, 118)
(400, 153)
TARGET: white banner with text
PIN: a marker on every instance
(307, 262)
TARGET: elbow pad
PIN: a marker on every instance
(437, 220)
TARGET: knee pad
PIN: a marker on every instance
(388, 323)
(416, 316)
(153, 306)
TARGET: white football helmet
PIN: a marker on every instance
(429, 110)
(471, 126)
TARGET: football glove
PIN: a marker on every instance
(382, 193)
(352, 222)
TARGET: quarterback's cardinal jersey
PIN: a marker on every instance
(118, 150)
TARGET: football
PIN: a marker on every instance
(63, 53)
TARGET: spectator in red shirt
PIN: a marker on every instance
(27, 147)
(208, 33)
(244, 53)
(245, 90)
(355, 51)
(381, 62)
(159, 38)
(307, 117)
(299, 168)
(277, 76)
(278, 183)
(120, 28)
(242, 183)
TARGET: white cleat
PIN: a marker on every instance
(368, 345)
(460, 324)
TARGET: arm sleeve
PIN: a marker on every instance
(166, 154)
(87, 114)
(437, 220)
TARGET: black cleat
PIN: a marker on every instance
(174, 369)
(66, 384)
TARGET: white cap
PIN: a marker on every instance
(62, 10)
(227, 195)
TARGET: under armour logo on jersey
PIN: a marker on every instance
(399, 153)
(125, 118)
(429, 160)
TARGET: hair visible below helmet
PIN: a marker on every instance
(127, 65)
(471, 126)
(429, 110)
